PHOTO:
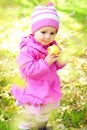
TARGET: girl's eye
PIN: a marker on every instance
(52, 33)
(43, 32)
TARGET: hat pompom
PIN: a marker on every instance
(50, 4)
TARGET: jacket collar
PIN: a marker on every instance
(31, 42)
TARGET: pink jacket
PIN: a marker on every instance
(43, 83)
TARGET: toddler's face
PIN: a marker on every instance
(45, 35)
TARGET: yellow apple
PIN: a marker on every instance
(54, 49)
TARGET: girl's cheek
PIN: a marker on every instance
(40, 36)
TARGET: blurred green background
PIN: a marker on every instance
(72, 37)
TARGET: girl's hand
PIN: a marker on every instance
(51, 58)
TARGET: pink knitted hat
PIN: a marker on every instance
(44, 16)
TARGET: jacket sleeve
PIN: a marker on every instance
(30, 67)
(60, 65)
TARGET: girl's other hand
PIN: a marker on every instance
(51, 58)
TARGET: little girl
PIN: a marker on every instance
(42, 92)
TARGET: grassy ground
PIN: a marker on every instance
(72, 114)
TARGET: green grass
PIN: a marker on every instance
(75, 118)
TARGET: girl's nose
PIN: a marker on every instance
(47, 36)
